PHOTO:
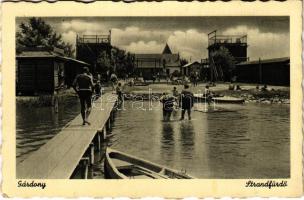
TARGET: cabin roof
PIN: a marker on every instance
(189, 64)
(36, 54)
(273, 60)
(46, 54)
(75, 60)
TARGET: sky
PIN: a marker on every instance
(267, 37)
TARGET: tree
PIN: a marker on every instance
(183, 61)
(118, 61)
(37, 33)
(130, 63)
(223, 59)
(103, 62)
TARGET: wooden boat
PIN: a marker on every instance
(119, 165)
(228, 99)
(212, 110)
(220, 99)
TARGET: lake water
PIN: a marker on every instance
(252, 141)
(37, 125)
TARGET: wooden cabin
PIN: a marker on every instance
(269, 71)
(43, 70)
(193, 67)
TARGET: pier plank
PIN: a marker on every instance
(59, 156)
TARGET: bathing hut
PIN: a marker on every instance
(43, 70)
(274, 71)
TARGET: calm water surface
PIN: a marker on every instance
(36, 125)
(250, 142)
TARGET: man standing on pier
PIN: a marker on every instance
(83, 85)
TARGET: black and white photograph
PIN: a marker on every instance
(153, 97)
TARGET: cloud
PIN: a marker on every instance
(70, 29)
(144, 47)
(83, 26)
(261, 44)
(134, 34)
(69, 37)
(190, 43)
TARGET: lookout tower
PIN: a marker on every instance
(236, 45)
(89, 47)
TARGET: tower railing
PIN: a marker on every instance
(98, 39)
(213, 38)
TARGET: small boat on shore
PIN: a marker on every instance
(219, 99)
(213, 110)
(228, 99)
(120, 165)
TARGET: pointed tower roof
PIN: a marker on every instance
(167, 49)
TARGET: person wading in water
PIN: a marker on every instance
(186, 102)
(168, 105)
(119, 93)
(83, 85)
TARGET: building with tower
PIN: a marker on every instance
(89, 47)
(235, 44)
(164, 64)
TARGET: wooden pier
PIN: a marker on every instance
(59, 157)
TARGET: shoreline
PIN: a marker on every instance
(249, 95)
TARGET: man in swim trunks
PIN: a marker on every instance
(83, 85)
(186, 101)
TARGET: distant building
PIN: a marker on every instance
(269, 71)
(164, 63)
(193, 67)
(42, 70)
(205, 74)
(236, 45)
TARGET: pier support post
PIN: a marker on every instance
(104, 133)
(112, 116)
(55, 101)
(98, 142)
(84, 163)
(92, 153)
(109, 124)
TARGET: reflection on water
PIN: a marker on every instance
(251, 142)
(37, 125)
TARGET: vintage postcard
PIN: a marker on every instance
(164, 99)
